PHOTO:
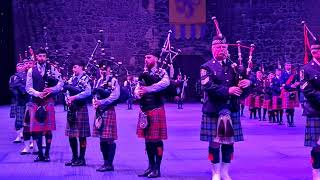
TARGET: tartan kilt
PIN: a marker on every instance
(209, 127)
(81, 127)
(249, 101)
(258, 101)
(288, 103)
(109, 125)
(312, 131)
(267, 104)
(20, 112)
(276, 103)
(157, 125)
(49, 123)
(13, 108)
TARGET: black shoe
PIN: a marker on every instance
(47, 158)
(24, 153)
(109, 168)
(154, 174)
(146, 173)
(105, 168)
(39, 159)
(69, 163)
(79, 162)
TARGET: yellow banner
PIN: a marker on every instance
(187, 11)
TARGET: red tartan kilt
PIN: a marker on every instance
(49, 123)
(288, 103)
(157, 126)
(249, 101)
(267, 104)
(258, 101)
(276, 103)
(109, 125)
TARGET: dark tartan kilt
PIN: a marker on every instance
(258, 101)
(267, 104)
(276, 103)
(13, 108)
(249, 101)
(209, 127)
(81, 128)
(288, 103)
(157, 125)
(312, 132)
(49, 123)
(20, 111)
(109, 125)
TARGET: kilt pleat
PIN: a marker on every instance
(312, 131)
(157, 125)
(209, 127)
(81, 127)
(276, 103)
(109, 125)
(249, 101)
(13, 108)
(267, 104)
(20, 112)
(258, 101)
(49, 123)
(288, 103)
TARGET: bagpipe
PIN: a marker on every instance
(165, 60)
(307, 46)
(239, 68)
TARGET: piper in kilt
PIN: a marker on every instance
(276, 99)
(258, 91)
(220, 125)
(29, 63)
(17, 86)
(152, 108)
(267, 99)
(310, 86)
(78, 91)
(43, 81)
(105, 123)
(289, 93)
(12, 113)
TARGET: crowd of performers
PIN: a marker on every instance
(272, 94)
(227, 88)
(36, 83)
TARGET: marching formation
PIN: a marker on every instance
(228, 87)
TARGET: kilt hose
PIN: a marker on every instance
(209, 122)
(81, 126)
(109, 125)
(157, 125)
(49, 123)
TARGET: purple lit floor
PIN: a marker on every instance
(269, 152)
